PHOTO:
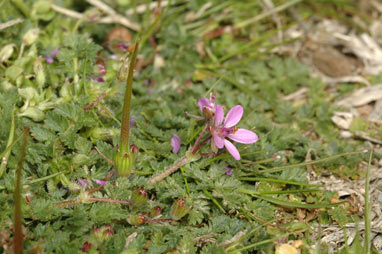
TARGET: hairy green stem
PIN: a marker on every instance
(195, 147)
(45, 178)
(124, 142)
(17, 231)
(169, 170)
(79, 201)
(107, 200)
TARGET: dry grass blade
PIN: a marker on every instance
(367, 244)
(267, 13)
(10, 23)
(112, 18)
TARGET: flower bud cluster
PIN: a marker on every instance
(179, 209)
(139, 197)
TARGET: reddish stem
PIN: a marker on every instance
(157, 220)
(96, 101)
(110, 200)
(201, 144)
(195, 148)
(169, 170)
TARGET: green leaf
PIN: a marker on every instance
(42, 133)
(83, 145)
(56, 122)
(339, 215)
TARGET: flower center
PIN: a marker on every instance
(224, 132)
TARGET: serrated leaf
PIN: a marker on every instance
(42, 133)
(56, 122)
(83, 145)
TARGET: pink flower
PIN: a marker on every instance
(175, 143)
(123, 46)
(207, 106)
(102, 69)
(228, 171)
(55, 52)
(100, 182)
(82, 182)
(50, 58)
(221, 133)
(98, 79)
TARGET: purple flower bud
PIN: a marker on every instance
(49, 59)
(55, 52)
(98, 79)
(207, 106)
(123, 46)
(102, 69)
(228, 171)
(175, 143)
(82, 182)
(100, 182)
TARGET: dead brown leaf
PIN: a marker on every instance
(365, 110)
(333, 63)
(119, 33)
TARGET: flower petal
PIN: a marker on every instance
(219, 115)
(49, 59)
(102, 69)
(203, 102)
(228, 171)
(175, 143)
(232, 149)
(219, 142)
(100, 182)
(82, 182)
(233, 116)
(244, 136)
(98, 79)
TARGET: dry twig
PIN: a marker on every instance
(113, 17)
(10, 23)
(66, 12)
(143, 7)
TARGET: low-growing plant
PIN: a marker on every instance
(163, 169)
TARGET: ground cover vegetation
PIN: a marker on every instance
(200, 91)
